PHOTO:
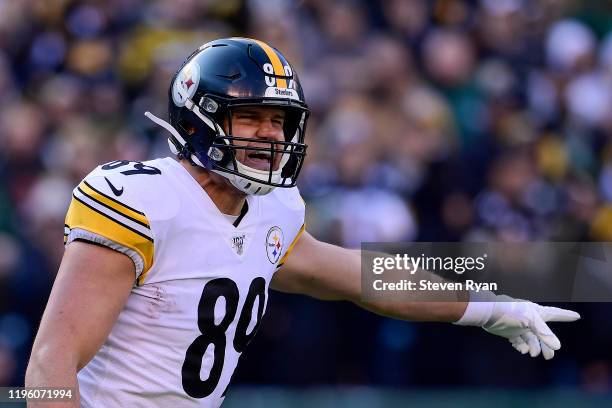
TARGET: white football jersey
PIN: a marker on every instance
(201, 283)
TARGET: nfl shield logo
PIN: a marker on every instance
(238, 243)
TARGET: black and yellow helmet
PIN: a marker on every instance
(215, 79)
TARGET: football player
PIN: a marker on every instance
(167, 266)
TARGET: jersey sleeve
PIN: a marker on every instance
(103, 213)
(290, 247)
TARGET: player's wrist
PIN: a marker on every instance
(479, 309)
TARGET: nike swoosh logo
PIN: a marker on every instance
(116, 191)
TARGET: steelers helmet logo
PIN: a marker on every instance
(274, 244)
(186, 83)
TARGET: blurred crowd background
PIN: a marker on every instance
(437, 120)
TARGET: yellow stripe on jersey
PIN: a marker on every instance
(84, 216)
(113, 204)
(276, 63)
(295, 240)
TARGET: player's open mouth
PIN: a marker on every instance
(259, 160)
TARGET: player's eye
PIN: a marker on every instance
(245, 117)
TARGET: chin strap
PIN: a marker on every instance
(188, 155)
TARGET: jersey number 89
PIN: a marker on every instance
(214, 334)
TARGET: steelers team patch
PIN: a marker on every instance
(274, 244)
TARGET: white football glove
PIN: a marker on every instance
(523, 323)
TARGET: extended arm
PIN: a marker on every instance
(90, 290)
(329, 272)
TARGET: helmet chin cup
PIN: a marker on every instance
(249, 186)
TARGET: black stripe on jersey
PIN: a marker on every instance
(243, 212)
(111, 198)
(114, 210)
(112, 219)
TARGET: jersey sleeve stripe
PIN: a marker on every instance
(113, 213)
(82, 216)
(112, 199)
(113, 204)
(100, 210)
(295, 240)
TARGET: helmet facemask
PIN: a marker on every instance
(222, 154)
(285, 157)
